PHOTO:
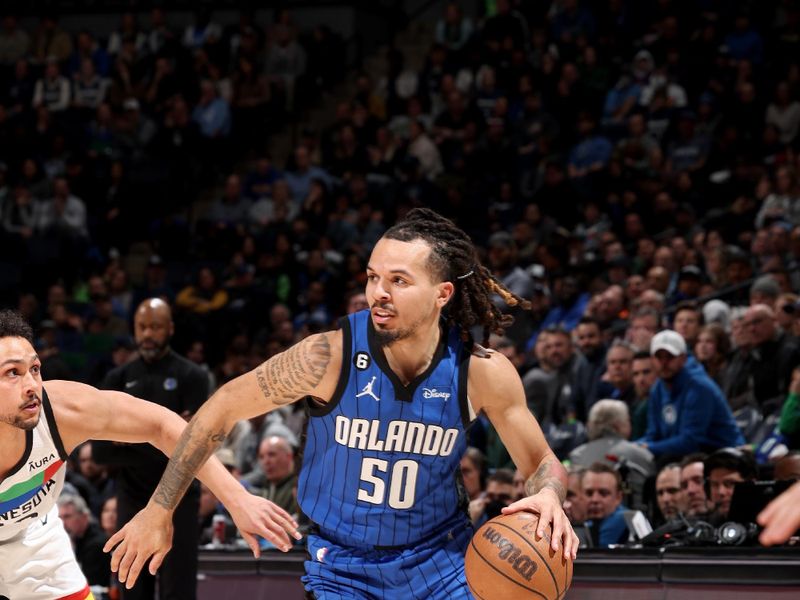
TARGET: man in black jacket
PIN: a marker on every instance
(163, 377)
(87, 539)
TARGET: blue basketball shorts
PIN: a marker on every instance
(433, 569)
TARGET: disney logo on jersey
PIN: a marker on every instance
(429, 393)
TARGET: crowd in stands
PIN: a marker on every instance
(629, 166)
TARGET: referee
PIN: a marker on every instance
(163, 377)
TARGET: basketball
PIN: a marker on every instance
(505, 560)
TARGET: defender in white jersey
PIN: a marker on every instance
(38, 430)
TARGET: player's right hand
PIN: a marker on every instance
(148, 534)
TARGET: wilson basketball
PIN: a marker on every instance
(505, 560)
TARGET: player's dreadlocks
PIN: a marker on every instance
(453, 258)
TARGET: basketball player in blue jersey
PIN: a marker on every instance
(392, 392)
(39, 429)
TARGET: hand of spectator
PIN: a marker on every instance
(148, 534)
(547, 505)
(476, 507)
(781, 518)
(256, 516)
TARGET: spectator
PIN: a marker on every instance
(765, 379)
(693, 485)
(87, 48)
(644, 378)
(453, 31)
(212, 113)
(473, 472)
(14, 42)
(421, 147)
(602, 487)
(53, 90)
(644, 324)
(576, 501)
(669, 496)
(87, 539)
(275, 477)
(619, 375)
(765, 290)
(286, 64)
(304, 173)
(609, 429)
(88, 88)
(686, 411)
(102, 487)
(588, 338)
(784, 113)
(782, 203)
(687, 322)
(499, 493)
(724, 469)
(549, 388)
(712, 349)
(128, 30)
(108, 516)
(50, 40)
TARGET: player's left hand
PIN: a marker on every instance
(256, 516)
(548, 506)
(781, 517)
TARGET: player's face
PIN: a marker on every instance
(402, 295)
(20, 383)
(668, 492)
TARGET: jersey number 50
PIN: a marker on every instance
(402, 482)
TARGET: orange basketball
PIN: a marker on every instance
(505, 560)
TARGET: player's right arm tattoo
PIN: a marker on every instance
(296, 372)
(544, 478)
(282, 379)
(194, 447)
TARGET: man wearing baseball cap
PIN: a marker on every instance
(687, 411)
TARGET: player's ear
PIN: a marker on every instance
(446, 291)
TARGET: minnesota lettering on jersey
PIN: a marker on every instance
(24, 510)
(401, 436)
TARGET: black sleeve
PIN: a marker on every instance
(120, 454)
(195, 389)
(95, 564)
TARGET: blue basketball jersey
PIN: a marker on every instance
(381, 460)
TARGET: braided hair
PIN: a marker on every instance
(454, 258)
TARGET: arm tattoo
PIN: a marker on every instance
(194, 447)
(296, 372)
(544, 479)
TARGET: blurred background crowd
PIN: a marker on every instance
(629, 166)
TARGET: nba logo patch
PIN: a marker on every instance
(170, 384)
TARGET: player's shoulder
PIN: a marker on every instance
(486, 362)
(65, 397)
